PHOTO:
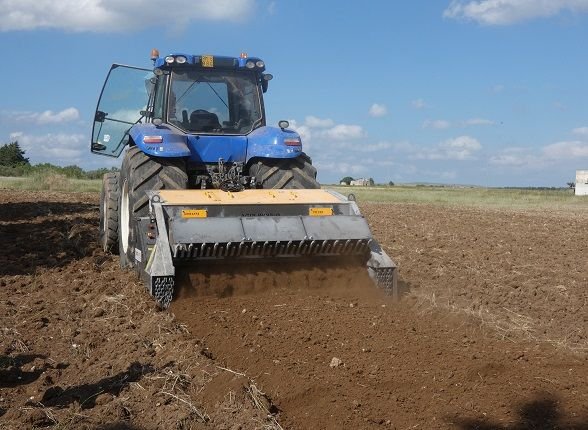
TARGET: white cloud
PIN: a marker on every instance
(378, 110)
(313, 121)
(366, 147)
(326, 129)
(419, 104)
(582, 131)
(460, 148)
(517, 157)
(66, 115)
(343, 132)
(104, 16)
(566, 150)
(505, 12)
(41, 118)
(437, 124)
(478, 121)
(58, 148)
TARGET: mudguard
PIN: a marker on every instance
(273, 142)
(174, 144)
(264, 142)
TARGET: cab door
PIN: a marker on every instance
(123, 102)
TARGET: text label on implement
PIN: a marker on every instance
(320, 211)
(194, 213)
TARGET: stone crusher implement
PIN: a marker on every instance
(204, 225)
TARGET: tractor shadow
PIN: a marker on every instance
(86, 394)
(541, 413)
(45, 234)
(11, 374)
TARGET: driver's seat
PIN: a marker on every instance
(202, 120)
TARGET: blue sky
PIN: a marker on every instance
(486, 92)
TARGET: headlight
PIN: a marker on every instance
(169, 59)
(180, 59)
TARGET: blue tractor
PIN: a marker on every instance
(192, 121)
(204, 178)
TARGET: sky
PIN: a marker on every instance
(486, 92)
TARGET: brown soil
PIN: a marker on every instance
(491, 332)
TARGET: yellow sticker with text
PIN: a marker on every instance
(194, 213)
(207, 61)
(320, 211)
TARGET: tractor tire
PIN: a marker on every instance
(288, 173)
(140, 173)
(109, 196)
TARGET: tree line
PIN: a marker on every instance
(14, 163)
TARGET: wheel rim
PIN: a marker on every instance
(124, 217)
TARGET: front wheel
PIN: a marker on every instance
(139, 174)
(285, 173)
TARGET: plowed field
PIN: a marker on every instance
(491, 331)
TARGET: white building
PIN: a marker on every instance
(582, 182)
(361, 182)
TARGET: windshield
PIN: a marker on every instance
(214, 102)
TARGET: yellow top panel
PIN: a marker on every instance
(247, 197)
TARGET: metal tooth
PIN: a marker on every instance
(345, 247)
(302, 247)
(270, 248)
(312, 246)
(336, 246)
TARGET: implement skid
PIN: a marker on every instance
(205, 225)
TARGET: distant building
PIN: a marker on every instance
(582, 182)
(361, 182)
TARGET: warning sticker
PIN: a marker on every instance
(320, 211)
(194, 213)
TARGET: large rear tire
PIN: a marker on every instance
(109, 212)
(285, 173)
(140, 173)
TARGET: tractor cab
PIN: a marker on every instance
(196, 96)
